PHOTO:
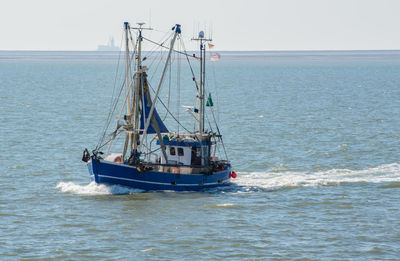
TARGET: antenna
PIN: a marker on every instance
(201, 85)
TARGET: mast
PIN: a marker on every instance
(127, 84)
(127, 64)
(138, 85)
(201, 88)
(202, 79)
(132, 109)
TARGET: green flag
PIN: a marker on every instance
(209, 102)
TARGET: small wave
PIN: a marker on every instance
(147, 250)
(17, 167)
(289, 179)
(391, 185)
(95, 189)
(225, 205)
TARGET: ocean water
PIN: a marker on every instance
(313, 136)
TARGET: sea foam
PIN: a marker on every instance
(95, 189)
(276, 180)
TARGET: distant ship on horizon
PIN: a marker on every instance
(109, 47)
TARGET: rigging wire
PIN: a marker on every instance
(112, 110)
(213, 115)
(216, 91)
(190, 66)
(219, 133)
(169, 110)
(169, 89)
(105, 143)
(157, 66)
(178, 85)
(108, 121)
(158, 48)
(191, 69)
(166, 47)
(182, 35)
(161, 55)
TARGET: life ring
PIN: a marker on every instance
(118, 159)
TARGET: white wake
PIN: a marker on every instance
(276, 180)
(95, 189)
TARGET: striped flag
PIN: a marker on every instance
(215, 57)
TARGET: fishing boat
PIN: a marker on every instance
(150, 156)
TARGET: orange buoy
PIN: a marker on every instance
(233, 175)
(175, 171)
(118, 159)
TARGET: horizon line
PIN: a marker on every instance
(282, 50)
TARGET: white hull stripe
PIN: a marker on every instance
(158, 183)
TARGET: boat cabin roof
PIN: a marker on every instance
(184, 143)
(185, 140)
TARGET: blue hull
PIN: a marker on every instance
(113, 173)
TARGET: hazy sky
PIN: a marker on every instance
(237, 25)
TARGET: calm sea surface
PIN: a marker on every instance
(313, 136)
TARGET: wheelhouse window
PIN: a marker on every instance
(196, 156)
(180, 151)
(172, 151)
